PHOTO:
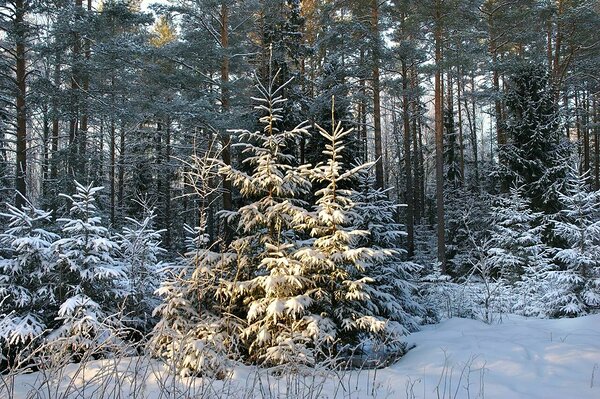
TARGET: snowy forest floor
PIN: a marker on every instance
(516, 357)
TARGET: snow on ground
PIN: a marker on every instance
(517, 358)
(458, 358)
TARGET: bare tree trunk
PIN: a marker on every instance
(586, 132)
(578, 123)
(461, 141)
(596, 143)
(363, 110)
(75, 95)
(376, 100)
(112, 168)
(472, 121)
(226, 139)
(83, 124)
(45, 149)
(122, 170)
(55, 121)
(439, 142)
(21, 73)
(418, 162)
(409, 192)
(167, 186)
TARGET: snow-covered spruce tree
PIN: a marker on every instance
(92, 283)
(515, 237)
(271, 290)
(534, 156)
(575, 277)
(193, 333)
(466, 223)
(140, 250)
(516, 251)
(27, 278)
(345, 311)
(394, 279)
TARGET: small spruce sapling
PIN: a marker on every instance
(27, 277)
(345, 311)
(91, 279)
(271, 290)
(576, 274)
(394, 279)
(140, 250)
(194, 334)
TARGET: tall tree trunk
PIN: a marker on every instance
(472, 121)
(168, 237)
(409, 192)
(493, 50)
(376, 95)
(596, 143)
(121, 178)
(21, 73)
(461, 141)
(75, 98)
(439, 141)
(225, 138)
(55, 120)
(418, 162)
(363, 109)
(83, 124)
(586, 132)
(112, 168)
(45, 149)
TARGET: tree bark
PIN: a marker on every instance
(596, 143)
(83, 124)
(409, 192)
(225, 138)
(379, 179)
(55, 120)
(439, 142)
(21, 73)
(112, 168)
(586, 131)
(461, 141)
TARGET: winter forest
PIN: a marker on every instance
(287, 195)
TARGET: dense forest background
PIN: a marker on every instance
(480, 116)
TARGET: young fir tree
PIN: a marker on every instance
(271, 291)
(576, 275)
(346, 308)
(193, 331)
(515, 237)
(140, 249)
(92, 283)
(27, 277)
(517, 254)
(394, 279)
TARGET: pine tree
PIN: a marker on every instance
(576, 276)
(393, 279)
(91, 281)
(27, 277)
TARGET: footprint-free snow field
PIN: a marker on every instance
(517, 357)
